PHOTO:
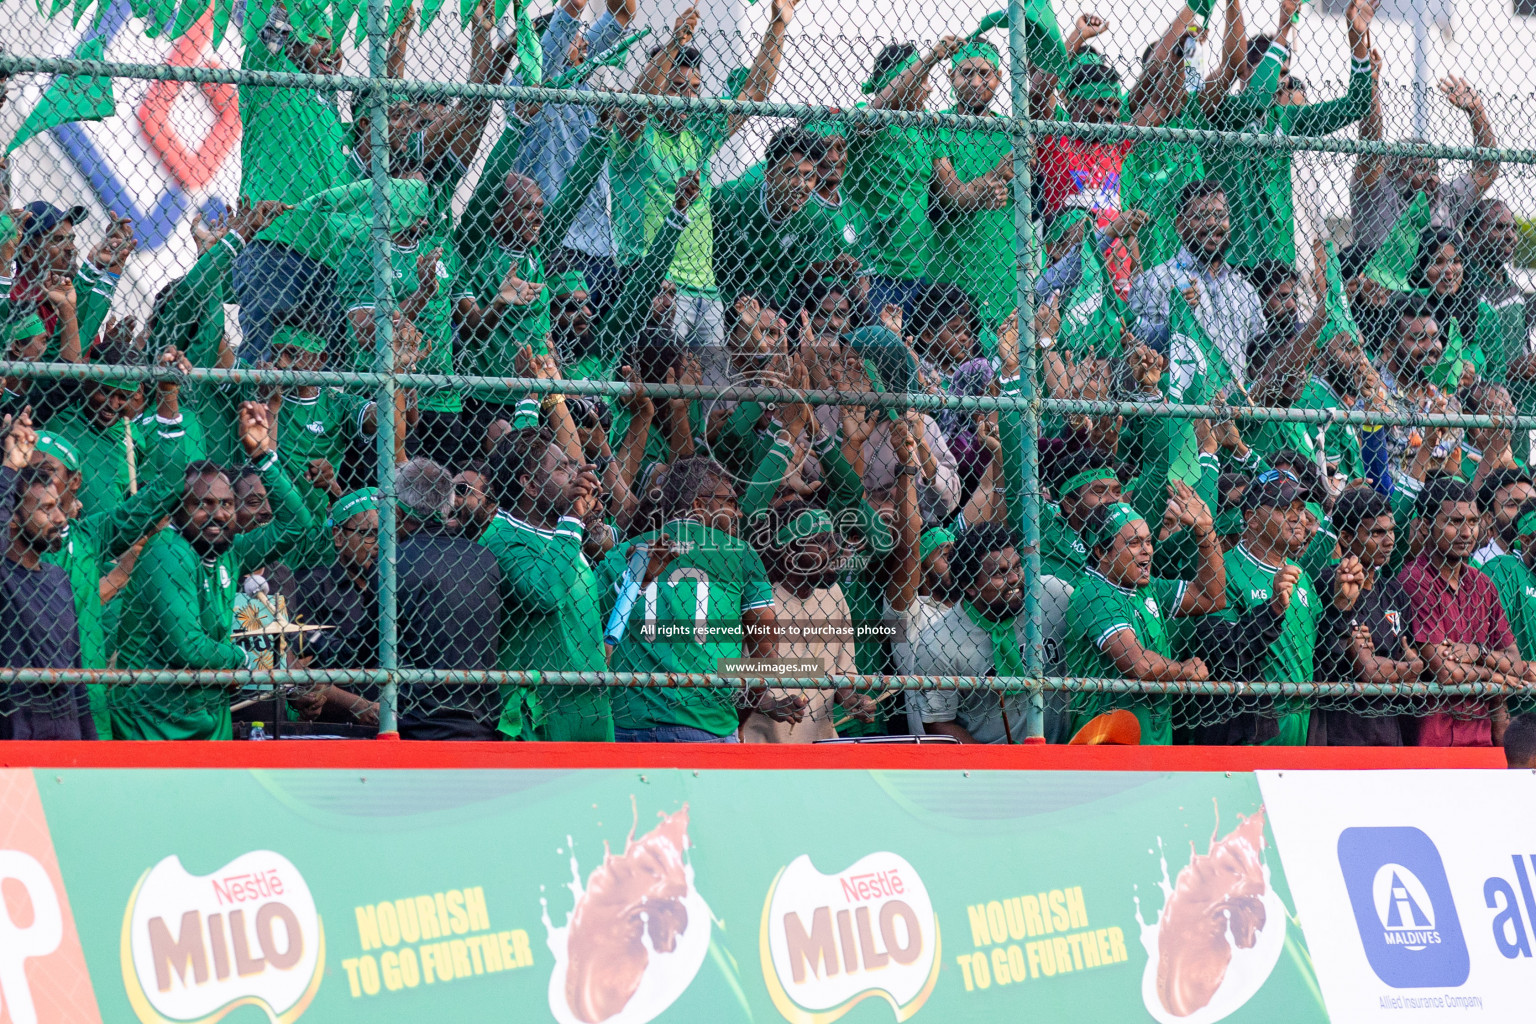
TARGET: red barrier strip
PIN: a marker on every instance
(353, 754)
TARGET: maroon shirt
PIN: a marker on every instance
(1469, 614)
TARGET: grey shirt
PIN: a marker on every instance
(1229, 311)
(1376, 207)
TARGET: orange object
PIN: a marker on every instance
(1118, 727)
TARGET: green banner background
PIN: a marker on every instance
(362, 837)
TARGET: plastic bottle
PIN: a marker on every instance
(259, 731)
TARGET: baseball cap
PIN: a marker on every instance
(41, 217)
(1273, 488)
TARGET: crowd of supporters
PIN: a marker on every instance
(148, 525)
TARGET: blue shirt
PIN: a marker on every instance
(558, 131)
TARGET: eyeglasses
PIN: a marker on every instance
(463, 490)
(361, 531)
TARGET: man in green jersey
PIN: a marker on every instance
(765, 228)
(1276, 609)
(553, 607)
(1117, 617)
(1514, 579)
(713, 601)
(1500, 495)
(1083, 479)
(178, 608)
(653, 152)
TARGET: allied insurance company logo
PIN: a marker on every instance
(195, 947)
(828, 942)
(1403, 908)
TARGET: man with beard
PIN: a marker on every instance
(178, 607)
(1369, 641)
(1225, 304)
(1082, 479)
(1274, 612)
(571, 318)
(982, 635)
(71, 302)
(1458, 623)
(36, 604)
(1413, 348)
(1118, 618)
(801, 551)
(551, 605)
(1500, 494)
(711, 601)
(764, 229)
(1339, 379)
(1503, 320)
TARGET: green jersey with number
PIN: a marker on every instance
(1097, 611)
(1250, 584)
(686, 621)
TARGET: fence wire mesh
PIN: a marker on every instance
(1136, 373)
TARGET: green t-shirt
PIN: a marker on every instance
(103, 455)
(754, 252)
(643, 175)
(1516, 585)
(1062, 551)
(292, 141)
(552, 622)
(1250, 584)
(319, 428)
(889, 171)
(714, 579)
(977, 249)
(496, 355)
(1097, 611)
(435, 321)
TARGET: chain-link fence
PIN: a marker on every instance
(745, 371)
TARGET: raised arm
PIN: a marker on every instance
(1329, 117)
(765, 66)
(658, 69)
(1460, 94)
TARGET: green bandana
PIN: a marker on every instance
(932, 539)
(1085, 478)
(810, 522)
(878, 82)
(1065, 221)
(52, 444)
(1007, 659)
(976, 48)
(1096, 91)
(349, 505)
(1120, 516)
(569, 282)
(297, 337)
(119, 384)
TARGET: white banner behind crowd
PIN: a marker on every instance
(1414, 888)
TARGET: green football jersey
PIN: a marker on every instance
(686, 622)
(1516, 585)
(496, 354)
(752, 251)
(1250, 584)
(889, 172)
(554, 623)
(977, 249)
(1097, 611)
(1062, 551)
(319, 427)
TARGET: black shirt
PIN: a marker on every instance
(1384, 611)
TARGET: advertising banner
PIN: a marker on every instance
(1416, 888)
(623, 897)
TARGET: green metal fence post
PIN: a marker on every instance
(1023, 251)
(383, 336)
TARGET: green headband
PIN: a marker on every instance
(53, 444)
(1120, 516)
(1084, 478)
(810, 522)
(297, 337)
(349, 505)
(932, 539)
(568, 282)
(976, 48)
(1065, 221)
(7, 227)
(880, 81)
(1096, 91)
(119, 384)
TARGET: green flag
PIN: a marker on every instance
(530, 53)
(1446, 374)
(1044, 46)
(327, 224)
(1394, 260)
(1340, 319)
(1197, 371)
(611, 57)
(1202, 9)
(71, 98)
(1092, 314)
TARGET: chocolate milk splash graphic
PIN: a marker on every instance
(1220, 930)
(637, 895)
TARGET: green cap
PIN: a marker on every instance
(53, 444)
(297, 337)
(932, 539)
(568, 282)
(810, 522)
(1120, 515)
(890, 355)
(349, 505)
(880, 81)
(976, 48)
(1096, 91)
